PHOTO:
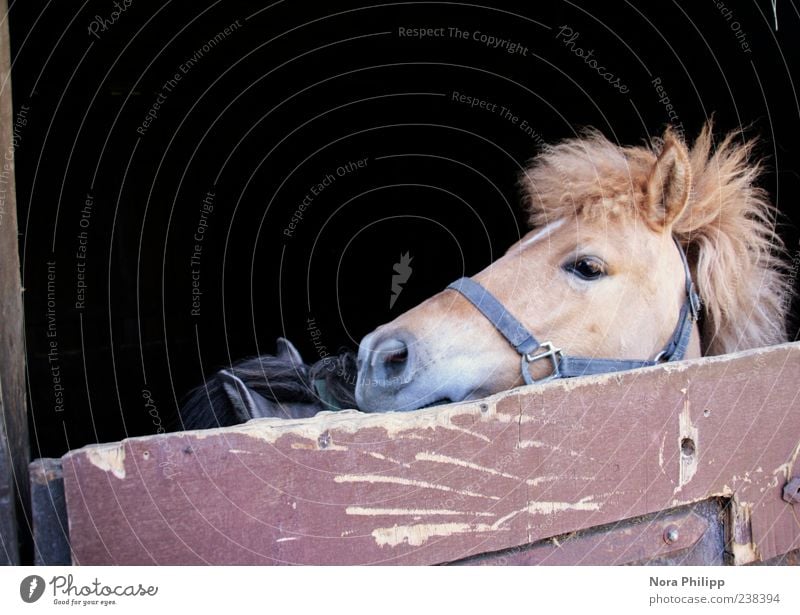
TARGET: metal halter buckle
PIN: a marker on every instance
(547, 352)
(695, 304)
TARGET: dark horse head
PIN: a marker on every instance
(271, 386)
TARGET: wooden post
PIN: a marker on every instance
(9, 550)
(49, 514)
(14, 452)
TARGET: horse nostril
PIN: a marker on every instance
(391, 358)
(400, 356)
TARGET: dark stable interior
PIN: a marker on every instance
(195, 179)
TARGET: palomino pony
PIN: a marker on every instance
(624, 240)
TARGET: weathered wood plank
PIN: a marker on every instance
(9, 544)
(49, 514)
(13, 415)
(442, 484)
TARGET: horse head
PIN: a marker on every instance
(602, 274)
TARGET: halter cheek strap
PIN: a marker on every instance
(563, 366)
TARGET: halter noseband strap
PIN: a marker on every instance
(530, 349)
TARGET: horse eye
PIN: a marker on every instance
(587, 268)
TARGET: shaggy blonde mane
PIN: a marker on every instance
(727, 228)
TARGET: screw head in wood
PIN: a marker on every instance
(671, 534)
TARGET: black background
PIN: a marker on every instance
(294, 92)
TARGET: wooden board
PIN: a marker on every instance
(49, 514)
(14, 454)
(443, 484)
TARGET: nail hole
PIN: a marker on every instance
(484, 408)
(687, 447)
(324, 439)
(706, 413)
(146, 455)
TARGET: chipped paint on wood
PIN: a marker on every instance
(108, 457)
(397, 480)
(413, 512)
(396, 425)
(542, 479)
(549, 508)
(469, 432)
(553, 447)
(436, 458)
(741, 543)
(389, 459)
(687, 431)
(417, 535)
(784, 470)
(534, 444)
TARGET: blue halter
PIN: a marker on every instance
(531, 350)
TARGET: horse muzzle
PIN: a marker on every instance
(385, 367)
(388, 378)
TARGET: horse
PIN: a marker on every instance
(280, 386)
(637, 255)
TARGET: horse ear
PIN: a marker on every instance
(669, 183)
(287, 352)
(246, 403)
(240, 397)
